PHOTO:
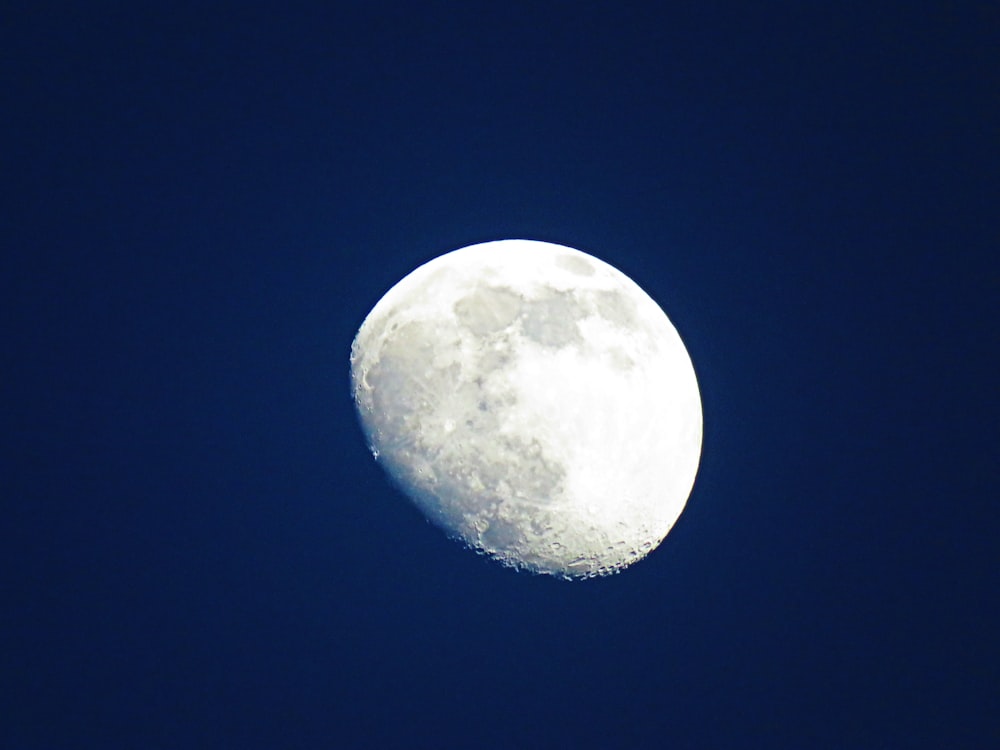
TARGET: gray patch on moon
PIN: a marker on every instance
(501, 535)
(620, 359)
(552, 319)
(488, 309)
(575, 264)
(616, 308)
(495, 359)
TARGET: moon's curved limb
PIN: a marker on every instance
(533, 402)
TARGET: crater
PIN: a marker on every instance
(501, 535)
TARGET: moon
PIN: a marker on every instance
(534, 403)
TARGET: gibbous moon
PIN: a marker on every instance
(534, 403)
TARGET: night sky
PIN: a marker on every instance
(201, 202)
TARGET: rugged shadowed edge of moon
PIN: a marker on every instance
(533, 402)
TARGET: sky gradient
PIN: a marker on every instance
(201, 204)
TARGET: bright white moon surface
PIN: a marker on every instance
(534, 403)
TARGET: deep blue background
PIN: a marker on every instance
(200, 204)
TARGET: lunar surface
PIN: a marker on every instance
(534, 403)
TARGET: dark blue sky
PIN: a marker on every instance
(200, 204)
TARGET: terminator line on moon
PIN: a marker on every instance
(533, 402)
